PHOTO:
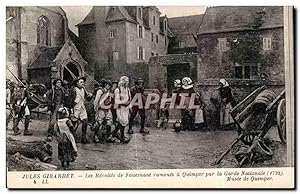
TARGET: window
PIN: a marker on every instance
(113, 10)
(246, 71)
(115, 55)
(140, 31)
(156, 54)
(152, 54)
(152, 37)
(156, 38)
(267, 44)
(112, 34)
(165, 25)
(140, 13)
(153, 20)
(222, 44)
(43, 31)
(181, 44)
(141, 53)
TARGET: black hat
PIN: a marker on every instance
(77, 79)
(58, 79)
(108, 82)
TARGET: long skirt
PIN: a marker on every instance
(123, 115)
(225, 116)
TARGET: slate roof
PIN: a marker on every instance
(89, 18)
(45, 59)
(55, 9)
(185, 24)
(234, 18)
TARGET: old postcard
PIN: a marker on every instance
(150, 97)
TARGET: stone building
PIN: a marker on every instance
(244, 45)
(184, 29)
(120, 39)
(38, 45)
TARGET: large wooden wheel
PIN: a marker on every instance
(281, 120)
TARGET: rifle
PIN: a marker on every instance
(35, 98)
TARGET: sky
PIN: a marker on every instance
(76, 14)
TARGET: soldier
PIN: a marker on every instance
(102, 106)
(78, 96)
(20, 108)
(56, 97)
(138, 89)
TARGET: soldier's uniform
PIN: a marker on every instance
(138, 89)
(20, 108)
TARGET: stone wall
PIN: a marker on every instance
(215, 64)
(240, 90)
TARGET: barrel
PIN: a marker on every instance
(263, 100)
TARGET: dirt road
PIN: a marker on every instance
(162, 149)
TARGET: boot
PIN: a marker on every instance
(123, 138)
(130, 131)
(109, 138)
(26, 124)
(96, 130)
(144, 131)
(83, 135)
(15, 126)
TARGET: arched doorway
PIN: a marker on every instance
(69, 71)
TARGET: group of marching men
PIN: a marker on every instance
(67, 109)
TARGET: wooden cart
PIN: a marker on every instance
(272, 113)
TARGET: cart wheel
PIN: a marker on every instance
(281, 120)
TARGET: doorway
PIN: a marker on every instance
(176, 71)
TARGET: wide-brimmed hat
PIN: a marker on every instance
(115, 82)
(56, 80)
(77, 79)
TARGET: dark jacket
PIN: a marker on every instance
(226, 95)
(52, 98)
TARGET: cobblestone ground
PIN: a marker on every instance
(162, 149)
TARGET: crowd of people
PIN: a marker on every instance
(112, 114)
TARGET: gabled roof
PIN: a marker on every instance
(54, 9)
(185, 24)
(45, 59)
(89, 18)
(233, 18)
(120, 14)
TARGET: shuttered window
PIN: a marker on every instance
(267, 44)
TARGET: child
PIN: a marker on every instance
(67, 149)
(163, 118)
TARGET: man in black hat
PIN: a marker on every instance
(20, 97)
(138, 89)
(78, 96)
(56, 98)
